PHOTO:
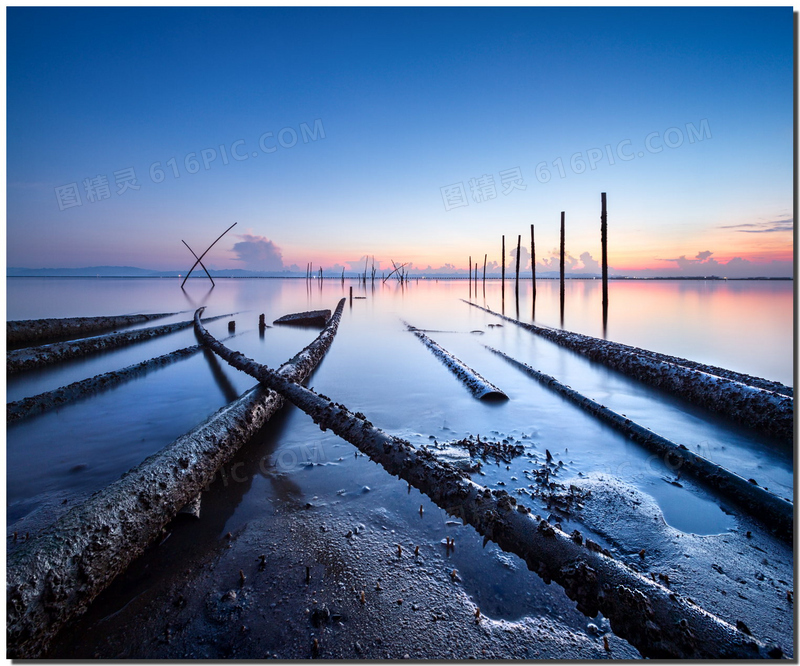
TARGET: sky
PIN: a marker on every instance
(419, 135)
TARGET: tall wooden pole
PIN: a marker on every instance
(604, 244)
(533, 263)
(484, 269)
(516, 281)
(503, 274)
(562, 267)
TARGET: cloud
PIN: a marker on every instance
(700, 258)
(357, 265)
(705, 265)
(553, 262)
(762, 227)
(524, 259)
(590, 265)
(258, 253)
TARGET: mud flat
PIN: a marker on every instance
(201, 609)
(776, 513)
(656, 621)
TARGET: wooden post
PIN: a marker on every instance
(533, 263)
(516, 280)
(503, 274)
(484, 269)
(469, 268)
(351, 294)
(604, 245)
(561, 265)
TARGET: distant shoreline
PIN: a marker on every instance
(410, 277)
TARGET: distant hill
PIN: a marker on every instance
(89, 271)
(132, 271)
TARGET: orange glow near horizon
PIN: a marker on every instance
(637, 260)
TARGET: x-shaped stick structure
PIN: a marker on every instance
(200, 258)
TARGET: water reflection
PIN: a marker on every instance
(229, 392)
(203, 301)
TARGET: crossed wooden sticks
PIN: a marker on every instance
(200, 258)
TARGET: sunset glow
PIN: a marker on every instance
(417, 135)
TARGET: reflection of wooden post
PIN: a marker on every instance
(199, 259)
(533, 262)
(516, 281)
(604, 244)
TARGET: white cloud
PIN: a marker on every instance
(258, 253)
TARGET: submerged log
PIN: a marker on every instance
(776, 513)
(657, 621)
(310, 318)
(56, 574)
(43, 402)
(478, 386)
(766, 411)
(39, 357)
(27, 332)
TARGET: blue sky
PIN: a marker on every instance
(410, 101)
